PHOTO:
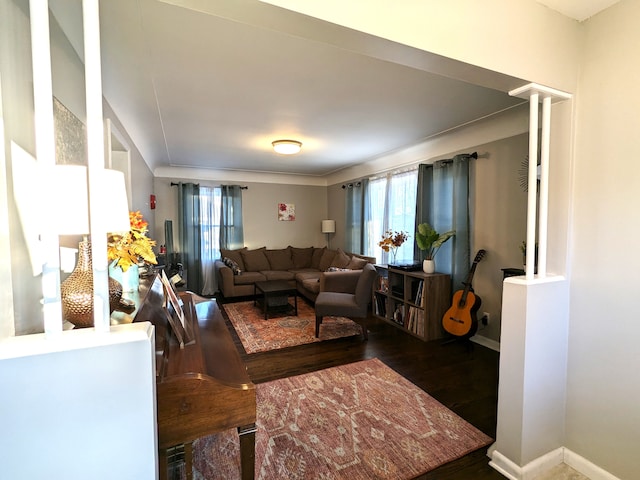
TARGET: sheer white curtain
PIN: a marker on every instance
(391, 205)
(210, 198)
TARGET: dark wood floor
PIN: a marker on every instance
(465, 380)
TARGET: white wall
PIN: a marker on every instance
(603, 418)
(80, 405)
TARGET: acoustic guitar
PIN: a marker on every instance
(461, 318)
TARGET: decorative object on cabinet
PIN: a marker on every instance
(76, 291)
(430, 242)
(412, 300)
(391, 241)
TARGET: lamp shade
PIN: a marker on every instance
(328, 226)
(70, 200)
(112, 202)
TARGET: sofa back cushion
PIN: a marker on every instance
(279, 259)
(327, 258)
(235, 255)
(255, 260)
(340, 260)
(301, 257)
(317, 256)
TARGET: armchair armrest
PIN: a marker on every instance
(341, 282)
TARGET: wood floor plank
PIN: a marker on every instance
(462, 377)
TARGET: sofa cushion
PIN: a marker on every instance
(248, 278)
(279, 259)
(301, 257)
(327, 258)
(340, 260)
(356, 263)
(312, 285)
(232, 265)
(255, 260)
(313, 275)
(278, 275)
(234, 255)
(316, 257)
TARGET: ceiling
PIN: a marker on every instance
(211, 84)
(578, 9)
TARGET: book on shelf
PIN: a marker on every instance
(383, 284)
(381, 305)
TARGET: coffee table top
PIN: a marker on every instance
(275, 286)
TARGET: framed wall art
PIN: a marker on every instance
(286, 212)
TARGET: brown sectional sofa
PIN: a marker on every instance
(238, 270)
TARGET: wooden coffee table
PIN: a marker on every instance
(275, 296)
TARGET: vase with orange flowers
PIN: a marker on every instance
(126, 252)
(391, 241)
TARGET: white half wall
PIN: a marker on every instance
(79, 405)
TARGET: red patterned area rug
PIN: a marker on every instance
(282, 330)
(358, 421)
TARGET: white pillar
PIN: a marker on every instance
(95, 148)
(534, 332)
(45, 153)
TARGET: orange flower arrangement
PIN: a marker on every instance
(392, 240)
(130, 248)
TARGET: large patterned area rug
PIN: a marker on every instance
(357, 421)
(282, 330)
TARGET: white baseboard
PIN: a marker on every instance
(486, 342)
(546, 462)
(531, 470)
(585, 467)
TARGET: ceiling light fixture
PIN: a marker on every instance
(287, 147)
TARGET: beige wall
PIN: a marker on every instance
(259, 212)
(604, 385)
(498, 218)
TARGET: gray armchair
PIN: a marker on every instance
(347, 294)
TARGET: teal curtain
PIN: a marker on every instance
(443, 201)
(354, 240)
(190, 234)
(231, 230)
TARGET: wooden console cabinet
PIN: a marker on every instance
(413, 301)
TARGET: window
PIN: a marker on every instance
(210, 204)
(391, 205)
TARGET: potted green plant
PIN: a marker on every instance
(430, 241)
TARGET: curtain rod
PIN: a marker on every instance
(473, 155)
(242, 187)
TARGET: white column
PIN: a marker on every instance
(45, 153)
(95, 148)
(544, 186)
(532, 185)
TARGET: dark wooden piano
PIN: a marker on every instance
(202, 386)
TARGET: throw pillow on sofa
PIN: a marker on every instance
(255, 260)
(356, 263)
(232, 265)
(234, 255)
